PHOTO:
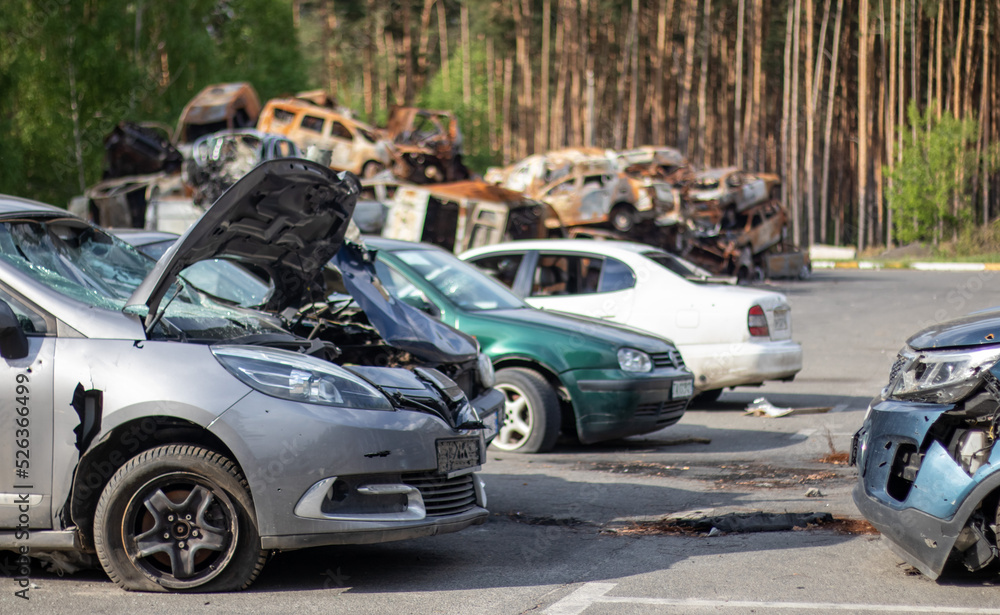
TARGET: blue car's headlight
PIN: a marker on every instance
(487, 377)
(632, 360)
(296, 377)
(941, 377)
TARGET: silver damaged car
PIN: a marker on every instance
(181, 439)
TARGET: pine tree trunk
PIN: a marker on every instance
(938, 68)
(689, 13)
(738, 96)
(796, 204)
(466, 58)
(558, 129)
(443, 46)
(633, 106)
(491, 92)
(407, 51)
(425, 37)
(657, 70)
(752, 116)
(542, 137)
(508, 82)
(824, 209)
(862, 173)
(984, 121)
(368, 59)
(786, 104)
(706, 29)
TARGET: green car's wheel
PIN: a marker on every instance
(531, 413)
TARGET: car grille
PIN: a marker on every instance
(666, 412)
(668, 359)
(444, 496)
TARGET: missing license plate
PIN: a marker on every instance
(455, 455)
(781, 319)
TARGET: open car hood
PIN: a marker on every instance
(401, 325)
(287, 217)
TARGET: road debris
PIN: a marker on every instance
(762, 407)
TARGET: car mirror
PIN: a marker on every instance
(13, 341)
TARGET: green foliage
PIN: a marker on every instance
(931, 185)
(120, 60)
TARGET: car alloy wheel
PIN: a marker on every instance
(531, 412)
(178, 518)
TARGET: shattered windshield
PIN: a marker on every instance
(463, 284)
(90, 266)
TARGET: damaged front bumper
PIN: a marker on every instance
(326, 476)
(926, 481)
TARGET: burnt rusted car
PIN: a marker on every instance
(464, 215)
(663, 163)
(429, 143)
(218, 107)
(585, 187)
(333, 138)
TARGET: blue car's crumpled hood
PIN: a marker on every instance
(976, 329)
(401, 325)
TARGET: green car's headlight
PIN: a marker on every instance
(296, 377)
(941, 377)
(632, 360)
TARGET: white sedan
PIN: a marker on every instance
(728, 335)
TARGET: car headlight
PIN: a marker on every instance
(632, 360)
(487, 376)
(941, 377)
(296, 377)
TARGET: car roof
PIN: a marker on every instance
(573, 245)
(13, 206)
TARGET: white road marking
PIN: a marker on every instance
(592, 593)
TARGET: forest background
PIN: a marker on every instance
(880, 115)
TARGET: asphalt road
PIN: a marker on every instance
(581, 530)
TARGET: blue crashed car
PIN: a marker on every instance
(929, 467)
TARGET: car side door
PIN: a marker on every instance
(26, 413)
(582, 283)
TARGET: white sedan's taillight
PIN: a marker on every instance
(757, 321)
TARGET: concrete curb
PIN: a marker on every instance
(876, 265)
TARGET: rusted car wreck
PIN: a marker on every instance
(429, 143)
(586, 187)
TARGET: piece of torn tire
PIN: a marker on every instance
(755, 522)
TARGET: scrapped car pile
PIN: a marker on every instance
(726, 220)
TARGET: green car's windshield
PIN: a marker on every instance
(90, 266)
(463, 284)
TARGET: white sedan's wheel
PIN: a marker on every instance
(531, 412)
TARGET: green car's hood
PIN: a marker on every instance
(573, 326)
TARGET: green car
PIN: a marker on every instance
(592, 380)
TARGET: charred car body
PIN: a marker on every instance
(343, 143)
(928, 464)
(429, 143)
(222, 106)
(181, 439)
(585, 187)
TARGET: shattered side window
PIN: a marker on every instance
(312, 123)
(340, 131)
(75, 260)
